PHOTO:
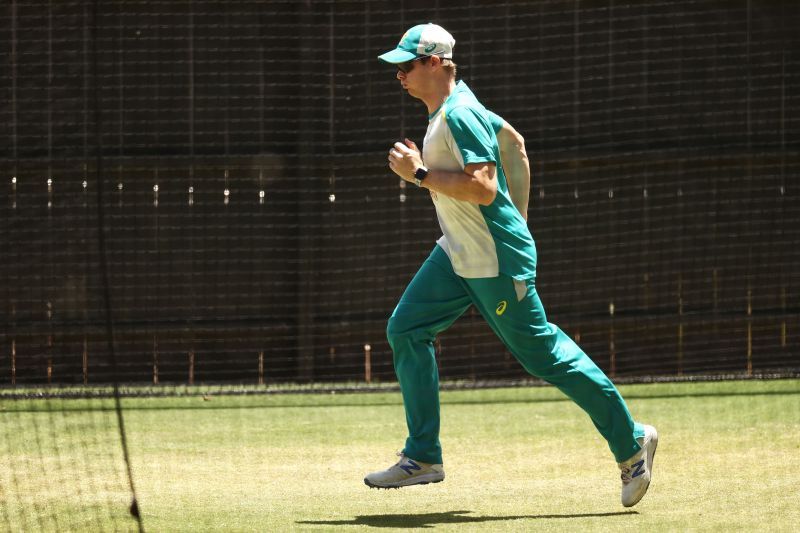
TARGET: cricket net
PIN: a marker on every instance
(196, 201)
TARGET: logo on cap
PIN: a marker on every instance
(430, 48)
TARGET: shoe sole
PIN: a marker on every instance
(426, 481)
(650, 457)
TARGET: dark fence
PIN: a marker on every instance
(232, 157)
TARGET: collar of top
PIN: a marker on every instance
(460, 87)
(421, 40)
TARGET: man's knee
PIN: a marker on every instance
(391, 329)
(395, 330)
(400, 330)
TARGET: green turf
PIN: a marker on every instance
(516, 459)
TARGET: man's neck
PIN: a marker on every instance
(435, 100)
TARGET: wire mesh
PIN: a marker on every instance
(254, 237)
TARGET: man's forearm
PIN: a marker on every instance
(478, 187)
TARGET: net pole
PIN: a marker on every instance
(680, 325)
(332, 149)
(368, 363)
(404, 215)
(86, 224)
(783, 181)
(612, 343)
(14, 125)
(103, 263)
(49, 240)
(306, 239)
(156, 189)
(258, 214)
(14, 110)
(749, 123)
(191, 105)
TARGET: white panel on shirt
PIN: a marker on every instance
(467, 240)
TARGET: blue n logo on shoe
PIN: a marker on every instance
(411, 465)
(639, 466)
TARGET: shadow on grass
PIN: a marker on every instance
(427, 520)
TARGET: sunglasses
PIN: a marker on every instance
(406, 67)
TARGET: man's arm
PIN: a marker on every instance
(516, 166)
(476, 184)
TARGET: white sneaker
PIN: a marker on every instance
(637, 471)
(406, 472)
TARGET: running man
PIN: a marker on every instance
(486, 258)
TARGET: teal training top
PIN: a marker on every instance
(481, 241)
(496, 121)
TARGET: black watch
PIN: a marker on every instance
(420, 174)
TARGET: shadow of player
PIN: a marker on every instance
(427, 520)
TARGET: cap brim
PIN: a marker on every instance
(397, 56)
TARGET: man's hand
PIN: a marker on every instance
(405, 159)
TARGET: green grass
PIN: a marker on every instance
(516, 459)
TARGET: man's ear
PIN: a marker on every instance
(436, 61)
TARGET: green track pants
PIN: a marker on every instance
(436, 297)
